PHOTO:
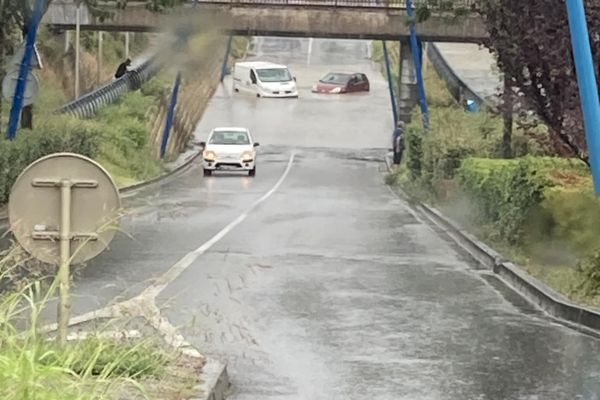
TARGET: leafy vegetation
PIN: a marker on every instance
(54, 134)
(33, 366)
(538, 209)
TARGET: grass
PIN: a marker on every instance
(33, 366)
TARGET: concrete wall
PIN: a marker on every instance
(284, 21)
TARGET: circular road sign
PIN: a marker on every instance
(9, 84)
(34, 207)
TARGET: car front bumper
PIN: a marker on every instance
(281, 94)
(227, 164)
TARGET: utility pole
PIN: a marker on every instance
(77, 44)
(588, 89)
(126, 44)
(67, 40)
(100, 57)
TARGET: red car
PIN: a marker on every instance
(338, 82)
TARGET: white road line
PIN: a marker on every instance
(173, 273)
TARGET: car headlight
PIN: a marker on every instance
(314, 88)
(209, 155)
(247, 156)
(336, 90)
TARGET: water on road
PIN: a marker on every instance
(331, 288)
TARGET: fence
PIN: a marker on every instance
(439, 5)
(88, 105)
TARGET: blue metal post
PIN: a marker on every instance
(17, 105)
(170, 116)
(224, 66)
(388, 70)
(588, 90)
(416, 51)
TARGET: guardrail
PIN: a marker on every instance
(88, 105)
(457, 87)
(440, 5)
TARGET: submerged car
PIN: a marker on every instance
(229, 149)
(340, 82)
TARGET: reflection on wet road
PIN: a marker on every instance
(332, 288)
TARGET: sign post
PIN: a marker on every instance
(63, 210)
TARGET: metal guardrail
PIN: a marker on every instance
(439, 5)
(89, 104)
(457, 87)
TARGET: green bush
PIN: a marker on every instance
(589, 273)
(55, 134)
(157, 87)
(506, 192)
(414, 148)
(572, 215)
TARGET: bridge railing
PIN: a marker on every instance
(395, 4)
(89, 104)
(442, 5)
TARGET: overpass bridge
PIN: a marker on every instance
(347, 19)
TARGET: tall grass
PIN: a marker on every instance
(34, 367)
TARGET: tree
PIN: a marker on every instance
(533, 47)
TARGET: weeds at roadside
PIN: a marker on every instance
(95, 367)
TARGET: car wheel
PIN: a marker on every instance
(207, 172)
(252, 172)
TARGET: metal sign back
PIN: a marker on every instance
(9, 85)
(17, 58)
(34, 208)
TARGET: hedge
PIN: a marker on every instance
(507, 192)
(56, 134)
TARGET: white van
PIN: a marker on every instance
(264, 79)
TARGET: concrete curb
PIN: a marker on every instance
(185, 165)
(141, 185)
(215, 385)
(536, 292)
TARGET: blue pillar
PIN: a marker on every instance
(17, 105)
(224, 65)
(170, 116)
(588, 89)
(417, 56)
(388, 70)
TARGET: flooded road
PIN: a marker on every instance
(323, 285)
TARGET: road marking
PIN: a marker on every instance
(173, 273)
(144, 304)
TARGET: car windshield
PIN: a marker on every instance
(229, 137)
(274, 75)
(339, 79)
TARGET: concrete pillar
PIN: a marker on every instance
(407, 88)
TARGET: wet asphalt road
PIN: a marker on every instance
(331, 288)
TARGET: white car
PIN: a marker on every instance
(229, 149)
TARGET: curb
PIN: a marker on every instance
(185, 165)
(216, 381)
(539, 294)
(141, 185)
